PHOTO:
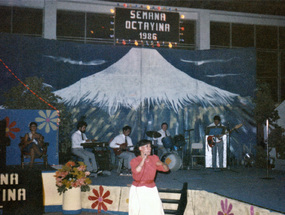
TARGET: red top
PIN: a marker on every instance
(146, 176)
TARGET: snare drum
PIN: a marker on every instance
(167, 142)
(173, 161)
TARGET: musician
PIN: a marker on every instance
(79, 137)
(122, 145)
(164, 133)
(217, 129)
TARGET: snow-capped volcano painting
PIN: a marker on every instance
(143, 75)
(113, 86)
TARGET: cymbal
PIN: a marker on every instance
(153, 134)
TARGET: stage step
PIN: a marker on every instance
(182, 202)
(170, 201)
(165, 190)
(170, 212)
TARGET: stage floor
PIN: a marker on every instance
(243, 184)
(82, 213)
(249, 185)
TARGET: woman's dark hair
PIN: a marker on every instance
(80, 124)
(33, 123)
(217, 118)
(141, 143)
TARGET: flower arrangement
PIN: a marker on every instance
(72, 174)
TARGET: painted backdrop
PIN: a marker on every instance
(115, 86)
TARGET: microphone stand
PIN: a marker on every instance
(229, 148)
(189, 146)
(267, 151)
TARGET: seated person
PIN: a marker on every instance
(33, 144)
(164, 133)
(122, 145)
(79, 137)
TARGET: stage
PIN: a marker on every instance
(242, 184)
(248, 186)
(244, 188)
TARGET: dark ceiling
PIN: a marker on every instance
(272, 7)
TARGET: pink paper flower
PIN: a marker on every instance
(251, 210)
(225, 208)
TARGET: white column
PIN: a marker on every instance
(203, 30)
(49, 19)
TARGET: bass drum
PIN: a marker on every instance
(173, 161)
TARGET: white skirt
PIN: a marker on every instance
(144, 201)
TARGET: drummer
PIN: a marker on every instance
(164, 133)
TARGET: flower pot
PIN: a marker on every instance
(71, 203)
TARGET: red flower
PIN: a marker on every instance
(10, 129)
(100, 199)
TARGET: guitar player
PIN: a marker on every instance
(217, 130)
(123, 146)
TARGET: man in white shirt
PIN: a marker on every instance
(122, 145)
(79, 137)
(164, 133)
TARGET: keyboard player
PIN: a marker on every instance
(79, 137)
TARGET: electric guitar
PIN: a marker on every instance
(123, 148)
(213, 139)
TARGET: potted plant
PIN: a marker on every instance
(71, 180)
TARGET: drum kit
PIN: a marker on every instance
(172, 145)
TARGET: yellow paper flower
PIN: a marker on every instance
(47, 119)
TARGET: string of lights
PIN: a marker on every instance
(145, 39)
